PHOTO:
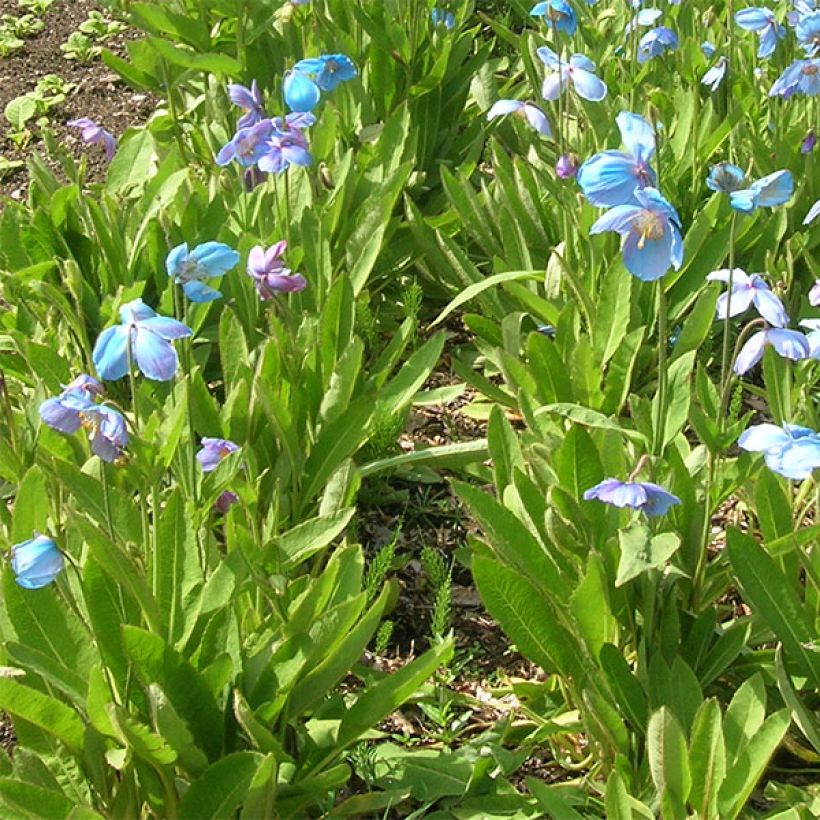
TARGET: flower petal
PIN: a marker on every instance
(110, 354)
(155, 357)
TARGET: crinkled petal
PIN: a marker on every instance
(790, 344)
(548, 57)
(199, 292)
(166, 327)
(611, 177)
(774, 189)
(658, 500)
(110, 354)
(740, 302)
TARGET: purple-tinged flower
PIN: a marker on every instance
(814, 293)
(36, 562)
(746, 291)
(650, 233)
(225, 501)
(648, 498)
(528, 112)
(247, 145)
(644, 18)
(301, 93)
(767, 192)
(107, 431)
(808, 143)
(269, 274)
(714, 76)
(149, 337)
(578, 71)
(213, 450)
(250, 100)
(443, 17)
(330, 70)
(63, 412)
(790, 451)
(813, 213)
(295, 122)
(655, 42)
(611, 177)
(251, 177)
(557, 14)
(205, 261)
(725, 178)
(567, 166)
(790, 344)
(802, 76)
(93, 134)
(283, 149)
(85, 384)
(763, 23)
(813, 336)
(807, 31)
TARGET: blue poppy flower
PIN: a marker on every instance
(644, 18)
(528, 112)
(766, 192)
(301, 93)
(250, 100)
(36, 562)
(725, 178)
(807, 31)
(650, 233)
(707, 48)
(247, 145)
(283, 150)
(557, 14)
(642, 495)
(790, 451)
(443, 17)
(213, 450)
(149, 336)
(656, 42)
(747, 291)
(801, 77)
(812, 336)
(611, 177)
(64, 412)
(578, 71)
(790, 344)
(205, 261)
(714, 76)
(761, 21)
(329, 69)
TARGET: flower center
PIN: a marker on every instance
(649, 226)
(810, 69)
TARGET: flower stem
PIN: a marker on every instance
(724, 363)
(660, 421)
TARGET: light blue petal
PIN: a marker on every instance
(753, 19)
(155, 357)
(651, 261)
(637, 135)
(588, 85)
(199, 292)
(548, 57)
(751, 353)
(760, 437)
(175, 259)
(301, 93)
(799, 460)
(166, 327)
(215, 257)
(503, 107)
(770, 307)
(744, 200)
(774, 189)
(790, 344)
(611, 177)
(618, 218)
(110, 354)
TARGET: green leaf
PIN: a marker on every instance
(669, 759)
(445, 457)
(626, 687)
(678, 396)
(773, 598)
(640, 551)
(209, 63)
(306, 539)
(777, 374)
(591, 418)
(19, 111)
(551, 800)
(805, 718)
(744, 716)
(222, 787)
(31, 505)
(504, 448)
(399, 391)
(590, 607)
(707, 758)
(26, 800)
(139, 738)
(772, 507)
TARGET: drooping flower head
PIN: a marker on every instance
(808, 142)
(250, 100)
(557, 14)
(790, 344)
(578, 72)
(443, 17)
(801, 77)
(190, 269)
(644, 496)
(93, 134)
(149, 336)
(746, 291)
(807, 32)
(766, 192)
(763, 22)
(655, 42)
(301, 93)
(36, 562)
(330, 70)
(213, 450)
(269, 274)
(790, 451)
(714, 76)
(566, 167)
(725, 178)
(650, 232)
(611, 177)
(528, 112)
(247, 145)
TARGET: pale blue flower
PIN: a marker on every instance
(747, 291)
(790, 344)
(190, 269)
(767, 192)
(725, 178)
(301, 93)
(801, 77)
(330, 70)
(714, 76)
(642, 495)
(557, 14)
(656, 42)
(763, 23)
(528, 112)
(790, 451)
(36, 562)
(578, 71)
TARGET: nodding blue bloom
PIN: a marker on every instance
(566, 166)
(807, 31)
(295, 122)
(714, 76)
(648, 498)
(246, 146)
(790, 451)
(650, 233)
(250, 100)
(528, 112)
(443, 17)
(578, 71)
(761, 21)
(808, 143)
(813, 213)
(546, 330)
(329, 69)
(656, 42)
(725, 178)
(814, 293)
(213, 451)
(557, 14)
(801, 77)
(149, 336)
(36, 562)
(205, 261)
(85, 384)
(611, 177)
(746, 291)
(790, 344)
(707, 48)
(813, 336)
(301, 93)
(93, 134)
(63, 412)
(766, 192)
(285, 148)
(225, 501)
(269, 274)
(644, 18)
